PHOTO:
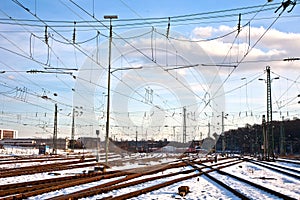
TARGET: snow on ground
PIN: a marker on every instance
(71, 189)
(290, 165)
(266, 177)
(41, 176)
(13, 163)
(200, 187)
(283, 160)
(249, 191)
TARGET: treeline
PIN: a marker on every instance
(249, 139)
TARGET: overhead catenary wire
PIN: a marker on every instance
(138, 50)
(53, 72)
(22, 95)
(245, 55)
(31, 58)
(76, 46)
(290, 86)
(45, 24)
(85, 28)
(117, 37)
(151, 20)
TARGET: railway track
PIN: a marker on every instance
(69, 163)
(22, 190)
(293, 170)
(295, 162)
(38, 188)
(252, 188)
(35, 188)
(130, 181)
(46, 168)
(163, 183)
(65, 164)
(27, 159)
(72, 180)
(135, 182)
(283, 170)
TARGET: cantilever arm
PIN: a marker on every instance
(286, 4)
(293, 3)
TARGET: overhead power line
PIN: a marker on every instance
(137, 22)
(134, 22)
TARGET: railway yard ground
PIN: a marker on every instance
(27, 175)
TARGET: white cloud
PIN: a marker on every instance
(273, 44)
(225, 29)
(203, 32)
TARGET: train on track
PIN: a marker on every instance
(19, 142)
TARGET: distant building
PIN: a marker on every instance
(8, 134)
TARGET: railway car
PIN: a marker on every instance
(18, 142)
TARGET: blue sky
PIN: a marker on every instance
(147, 100)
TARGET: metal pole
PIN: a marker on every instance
(136, 139)
(97, 155)
(269, 126)
(269, 113)
(265, 138)
(223, 135)
(108, 86)
(73, 130)
(282, 138)
(256, 151)
(174, 133)
(184, 126)
(55, 131)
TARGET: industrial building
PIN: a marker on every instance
(8, 134)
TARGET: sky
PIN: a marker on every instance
(172, 63)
